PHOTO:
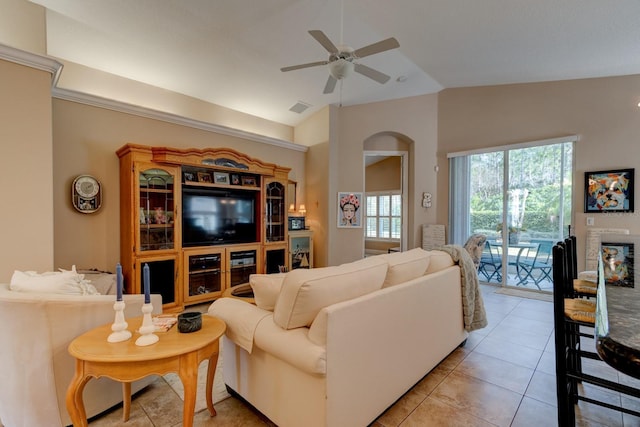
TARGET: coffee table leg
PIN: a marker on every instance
(211, 371)
(126, 401)
(189, 376)
(75, 405)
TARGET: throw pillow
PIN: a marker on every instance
(266, 288)
(305, 292)
(405, 266)
(53, 282)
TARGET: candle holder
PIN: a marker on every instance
(119, 327)
(147, 336)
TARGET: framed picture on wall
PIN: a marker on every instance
(221, 177)
(618, 263)
(609, 191)
(349, 210)
(204, 177)
(249, 181)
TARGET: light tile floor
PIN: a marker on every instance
(503, 376)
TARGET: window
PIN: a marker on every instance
(384, 215)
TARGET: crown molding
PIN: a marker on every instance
(54, 67)
(110, 104)
(32, 60)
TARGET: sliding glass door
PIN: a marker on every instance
(520, 198)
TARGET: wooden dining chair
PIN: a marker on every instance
(568, 345)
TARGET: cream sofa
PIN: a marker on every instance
(336, 346)
(35, 367)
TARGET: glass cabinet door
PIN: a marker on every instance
(156, 196)
(204, 274)
(275, 220)
(242, 264)
(162, 278)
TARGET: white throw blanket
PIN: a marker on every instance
(241, 318)
(472, 305)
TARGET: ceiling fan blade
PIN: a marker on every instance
(371, 73)
(324, 40)
(381, 46)
(308, 65)
(330, 86)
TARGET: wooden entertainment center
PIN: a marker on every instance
(202, 219)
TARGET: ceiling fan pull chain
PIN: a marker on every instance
(341, 22)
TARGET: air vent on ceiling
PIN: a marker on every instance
(299, 107)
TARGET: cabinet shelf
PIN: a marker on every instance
(156, 226)
(155, 190)
(213, 185)
(206, 270)
(239, 267)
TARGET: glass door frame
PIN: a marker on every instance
(460, 201)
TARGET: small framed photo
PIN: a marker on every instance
(221, 177)
(249, 181)
(609, 191)
(235, 179)
(188, 176)
(204, 177)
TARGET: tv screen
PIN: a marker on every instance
(213, 217)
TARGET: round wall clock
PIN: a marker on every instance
(86, 194)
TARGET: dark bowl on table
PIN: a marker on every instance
(189, 322)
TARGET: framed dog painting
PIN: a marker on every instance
(609, 191)
(618, 263)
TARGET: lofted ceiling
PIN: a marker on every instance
(229, 52)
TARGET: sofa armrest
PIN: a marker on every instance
(36, 366)
(241, 318)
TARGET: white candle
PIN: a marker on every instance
(147, 293)
(118, 282)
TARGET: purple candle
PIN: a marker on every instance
(118, 282)
(145, 275)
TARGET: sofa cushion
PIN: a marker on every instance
(404, 266)
(439, 260)
(292, 346)
(54, 282)
(266, 288)
(305, 292)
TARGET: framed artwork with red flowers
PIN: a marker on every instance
(349, 210)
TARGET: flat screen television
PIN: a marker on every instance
(217, 216)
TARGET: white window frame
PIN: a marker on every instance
(377, 194)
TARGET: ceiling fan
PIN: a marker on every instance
(343, 60)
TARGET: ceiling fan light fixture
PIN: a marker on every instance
(340, 69)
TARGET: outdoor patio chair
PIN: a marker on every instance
(537, 265)
(491, 262)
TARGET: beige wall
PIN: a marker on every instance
(22, 25)
(413, 119)
(86, 80)
(603, 112)
(85, 141)
(26, 216)
(384, 175)
(314, 133)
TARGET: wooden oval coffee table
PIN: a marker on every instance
(127, 362)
